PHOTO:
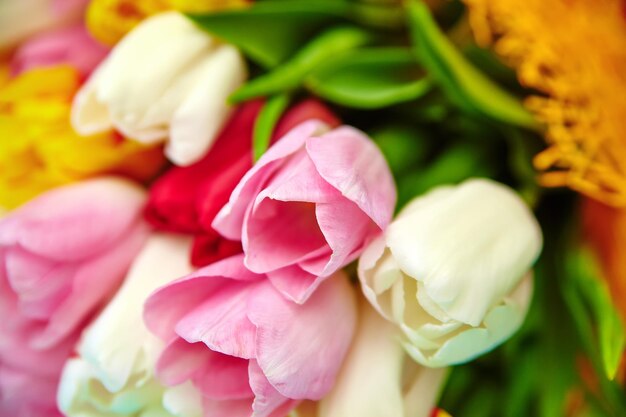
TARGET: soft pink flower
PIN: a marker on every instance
(21, 19)
(309, 205)
(250, 352)
(61, 256)
(71, 46)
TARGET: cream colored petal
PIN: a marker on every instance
(469, 342)
(423, 393)
(469, 246)
(183, 401)
(374, 258)
(369, 383)
(89, 115)
(138, 72)
(118, 341)
(201, 116)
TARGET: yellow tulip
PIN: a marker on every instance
(39, 149)
(109, 20)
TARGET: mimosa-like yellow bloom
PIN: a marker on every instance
(573, 52)
(38, 148)
(109, 20)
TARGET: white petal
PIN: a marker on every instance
(469, 342)
(370, 381)
(376, 257)
(183, 401)
(118, 340)
(89, 115)
(138, 72)
(204, 111)
(423, 393)
(469, 245)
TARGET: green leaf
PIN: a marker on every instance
(458, 162)
(370, 78)
(291, 74)
(404, 146)
(595, 295)
(265, 123)
(467, 87)
(271, 31)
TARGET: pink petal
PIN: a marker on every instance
(267, 401)
(301, 347)
(351, 162)
(169, 304)
(24, 395)
(70, 46)
(279, 234)
(220, 322)
(217, 376)
(180, 361)
(346, 229)
(227, 408)
(76, 221)
(93, 283)
(229, 220)
(295, 283)
(224, 378)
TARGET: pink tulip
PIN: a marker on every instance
(309, 206)
(61, 256)
(70, 46)
(186, 199)
(249, 351)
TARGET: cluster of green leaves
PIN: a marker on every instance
(442, 112)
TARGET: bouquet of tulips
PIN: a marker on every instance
(312, 208)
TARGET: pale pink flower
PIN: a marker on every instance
(249, 351)
(62, 255)
(309, 206)
(71, 46)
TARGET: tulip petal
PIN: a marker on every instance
(466, 279)
(216, 376)
(129, 82)
(93, 281)
(169, 304)
(294, 283)
(64, 225)
(348, 160)
(267, 401)
(183, 401)
(181, 361)
(322, 329)
(229, 221)
(370, 380)
(227, 408)
(40, 285)
(220, 322)
(268, 246)
(345, 228)
(499, 324)
(200, 117)
(113, 342)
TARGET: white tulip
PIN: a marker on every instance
(165, 79)
(378, 379)
(114, 371)
(453, 270)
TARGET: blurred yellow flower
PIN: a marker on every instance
(109, 20)
(38, 148)
(573, 52)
